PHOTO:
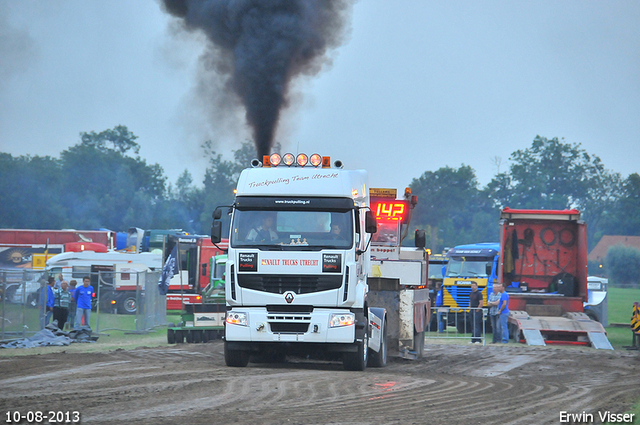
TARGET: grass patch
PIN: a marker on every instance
(620, 305)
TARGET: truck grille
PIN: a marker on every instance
(460, 294)
(279, 284)
(295, 328)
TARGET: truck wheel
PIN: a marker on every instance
(188, 337)
(418, 343)
(379, 359)
(591, 315)
(179, 337)
(463, 325)
(196, 336)
(171, 336)
(235, 358)
(127, 304)
(514, 333)
(358, 360)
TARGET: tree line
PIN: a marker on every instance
(102, 182)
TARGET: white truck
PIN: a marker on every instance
(298, 259)
(114, 275)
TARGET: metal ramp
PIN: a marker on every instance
(533, 337)
(599, 341)
(570, 328)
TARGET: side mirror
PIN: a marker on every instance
(217, 214)
(370, 224)
(421, 239)
(488, 269)
(216, 232)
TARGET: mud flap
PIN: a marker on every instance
(376, 318)
(599, 341)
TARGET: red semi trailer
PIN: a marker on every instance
(543, 265)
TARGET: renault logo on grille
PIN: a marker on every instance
(289, 296)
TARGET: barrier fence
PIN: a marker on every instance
(129, 302)
(456, 323)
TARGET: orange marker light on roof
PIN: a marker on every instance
(302, 159)
(326, 162)
(288, 159)
(265, 161)
(315, 160)
(275, 159)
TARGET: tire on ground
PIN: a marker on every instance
(358, 360)
(235, 358)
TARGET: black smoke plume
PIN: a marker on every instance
(260, 46)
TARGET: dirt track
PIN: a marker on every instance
(453, 385)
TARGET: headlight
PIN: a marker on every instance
(342, 319)
(236, 318)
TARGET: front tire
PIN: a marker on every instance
(171, 337)
(358, 359)
(235, 358)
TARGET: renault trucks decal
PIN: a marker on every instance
(248, 262)
(331, 263)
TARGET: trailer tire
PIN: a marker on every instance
(358, 360)
(179, 336)
(379, 359)
(463, 324)
(188, 336)
(171, 336)
(514, 333)
(591, 315)
(235, 358)
(196, 336)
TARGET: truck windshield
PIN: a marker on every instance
(306, 229)
(468, 267)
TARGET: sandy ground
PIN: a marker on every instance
(452, 384)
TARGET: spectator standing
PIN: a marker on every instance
(475, 302)
(72, 303)
(58, 282)
(503, 308)
(493, 301)
(61, 304)
(46, 302)
(83, 297)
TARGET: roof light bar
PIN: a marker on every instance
(288, 159)
(315, 159)
(275, 159)
(302, 159)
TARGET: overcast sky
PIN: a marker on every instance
(418, 85)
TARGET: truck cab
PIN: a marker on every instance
(466, 264)
(296, 272)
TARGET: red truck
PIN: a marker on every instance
(25, 248)
(543, 265)
(195, 274)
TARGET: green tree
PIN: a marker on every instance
(623, 264)
(623, 218)
(120, 137)
(552, 174)
(452, 209)
(29, 192)
(100, 182)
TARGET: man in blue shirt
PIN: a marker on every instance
(83, 297)
(46, 303)
(503, 309)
